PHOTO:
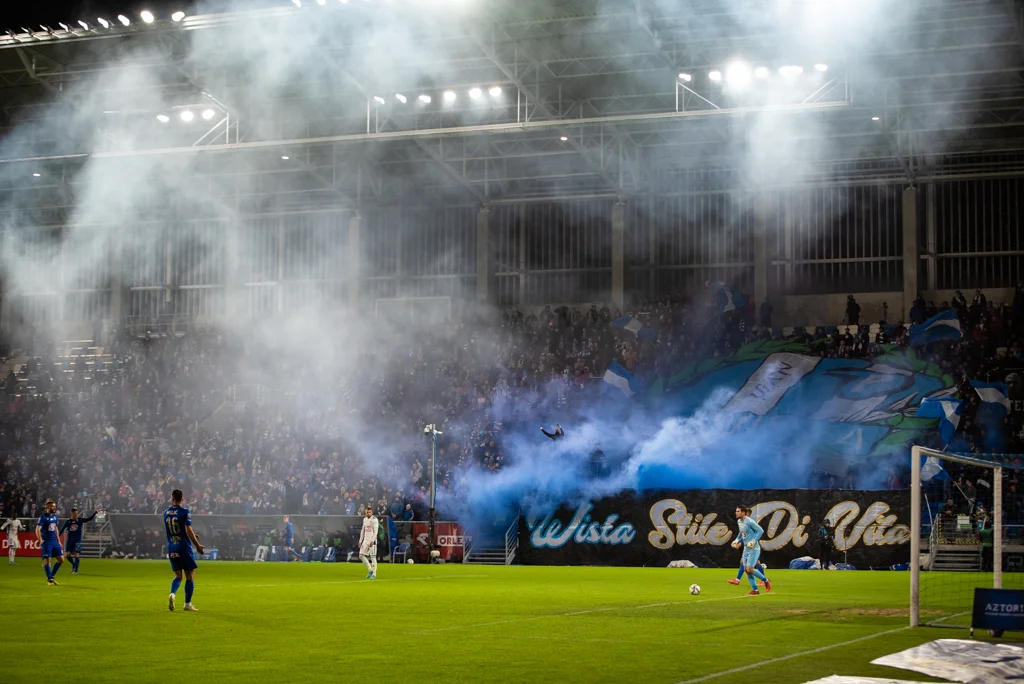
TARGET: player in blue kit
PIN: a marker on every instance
(49, 541)
(74, 526)
(180, 539)
(749, 539)
(288, 541)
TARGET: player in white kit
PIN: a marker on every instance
(13, 526)
(368, 543)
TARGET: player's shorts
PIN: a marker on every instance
(53, 550)
(288, 543)
(366, 550)
(182, 561)
(13, 542)
(751, 556)
(75, 547)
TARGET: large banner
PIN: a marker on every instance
(449, 541)
(872, 529)
(29, 544)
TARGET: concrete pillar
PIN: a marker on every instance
(911, 253)
(931, 248)
(355, 259)
(118, 292)
(485, 262)
(761, 261)
(521, 213)
(619, 254)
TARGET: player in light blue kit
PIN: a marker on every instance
(47, 532)
(749, 539)
(180, 538)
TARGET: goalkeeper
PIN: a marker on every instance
(749, 539)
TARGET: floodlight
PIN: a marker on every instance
(401, 98)
(103, 22)
(475, 93)
(761, 72)
(298, 3)
(564, 138)
(209, 114)
(495, 91)
(36, 175)
(285, 157)
(876, 118)
(685, 77)
(425, 99)
(124, 20)
(64, 26)
(821, 67)
(163, 118)
(449, 96)
(791, 71)
(147, 16)
(177, 16)
(321, 2)
(83, 24)
(378, 99)
(715, 76)
(187, 115)
(737, 75)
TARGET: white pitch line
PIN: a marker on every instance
(572, 614)
(360, 581)
(772, 661)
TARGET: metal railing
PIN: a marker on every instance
(512, 541)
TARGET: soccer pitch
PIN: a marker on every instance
(449, 623)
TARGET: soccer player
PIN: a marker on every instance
(368, 543)
(13, 526)
(74, 526)
(49, 541)
(288, 540)
(749, 539)
(180, 538)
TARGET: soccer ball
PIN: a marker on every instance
(410, 561)
(695, 589)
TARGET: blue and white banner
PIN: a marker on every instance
(947, 411)
(726, 299)
(630, 324)
(621, 379)
(993, 395)
(943, 326)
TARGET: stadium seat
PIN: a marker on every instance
(330, 556)
(402, 550)
(275, 553)
(318, 554)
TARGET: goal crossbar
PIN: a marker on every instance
(995, 462)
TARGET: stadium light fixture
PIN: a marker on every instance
(103, 22)
(297, 3)
(83, 24)
(147, 16)
(177, 16)
(378, 99)
(208, 114)
(401, 98)
(495, 91)
(449, 96)
(321, 2)
(715, 76)
(36, 175)
(761, 72)
(475, 93)
(285, 157)
(163, 118)
(876, 118)
(564, 138)
(125, 21)
(187, 116)
(791, 71)
(737, 75)
(686, 78)
(821, 67)
(425, 99)
(64, 26)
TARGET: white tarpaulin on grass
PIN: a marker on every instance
(836, 679)
(958, 660)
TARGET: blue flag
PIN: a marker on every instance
(994, 396)
(931, 469)
(947, 411)
(943, 326)
(619, 378)
(726, 299)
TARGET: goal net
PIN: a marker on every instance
(966, 532)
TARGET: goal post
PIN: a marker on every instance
(956, 558)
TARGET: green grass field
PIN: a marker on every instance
(448, 623)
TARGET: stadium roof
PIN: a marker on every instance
(616, 98)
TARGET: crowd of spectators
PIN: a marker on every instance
(246, 425)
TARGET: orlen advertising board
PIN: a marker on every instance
(29, 545)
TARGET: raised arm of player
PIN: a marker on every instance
(89, 518)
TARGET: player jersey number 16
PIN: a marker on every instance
(175, 528)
